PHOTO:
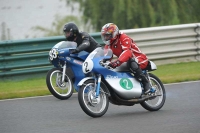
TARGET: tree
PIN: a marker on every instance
(128, 14)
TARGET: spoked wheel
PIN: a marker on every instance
(157, 102)
(90, 104)
(59, 89)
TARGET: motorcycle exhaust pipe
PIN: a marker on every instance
(135, 101)
(142, 99)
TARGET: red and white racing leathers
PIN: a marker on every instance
(125, 48)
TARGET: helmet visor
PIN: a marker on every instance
(67, 34)
(107, 37)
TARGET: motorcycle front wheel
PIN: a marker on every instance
(59, 89)
(156, 103)
(90, 104)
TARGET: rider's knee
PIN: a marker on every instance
(132, 64)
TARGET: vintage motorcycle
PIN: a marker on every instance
(62, 80)
(117, 86)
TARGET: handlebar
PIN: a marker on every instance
(105, 64)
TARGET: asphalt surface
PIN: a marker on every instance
(180, 114)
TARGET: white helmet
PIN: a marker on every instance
(109, 33)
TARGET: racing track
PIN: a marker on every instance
(180, 114)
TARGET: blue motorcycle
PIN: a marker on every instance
(103, 84)
(62, 80)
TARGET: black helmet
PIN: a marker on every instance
(70, 31)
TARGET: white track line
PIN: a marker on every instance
(77, 93)
(183, 82)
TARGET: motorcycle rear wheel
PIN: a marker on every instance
(156, 103)
(59, 89)
(92, 106)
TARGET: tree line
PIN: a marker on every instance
(128, 14)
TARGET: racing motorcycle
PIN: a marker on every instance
(62, 80)
(118, 86)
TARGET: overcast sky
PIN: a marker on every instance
(19, 16)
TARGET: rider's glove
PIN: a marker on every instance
(114, 64)
(104, 60)
(73, 51)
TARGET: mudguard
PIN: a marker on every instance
(83, 80)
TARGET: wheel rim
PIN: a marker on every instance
(95, 105)
(59, 87)
(158, 99)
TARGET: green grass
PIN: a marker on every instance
(170, 73)
(25, 88)
(180, 72)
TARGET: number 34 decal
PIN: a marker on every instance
(87, 66)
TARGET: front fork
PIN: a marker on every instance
(64, 71)
(97, 84)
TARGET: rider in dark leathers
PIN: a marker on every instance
(84, 41)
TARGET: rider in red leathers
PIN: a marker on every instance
(127, 51)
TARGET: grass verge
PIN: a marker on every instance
(170, 73)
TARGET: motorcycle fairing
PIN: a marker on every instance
(123, 83)
(59, 55)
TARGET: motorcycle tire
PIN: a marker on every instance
(159, 100)
(56, 87)
(92, 106)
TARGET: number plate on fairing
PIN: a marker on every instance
(127, 88)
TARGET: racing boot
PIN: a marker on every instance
(139, 75)
(146, 84)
